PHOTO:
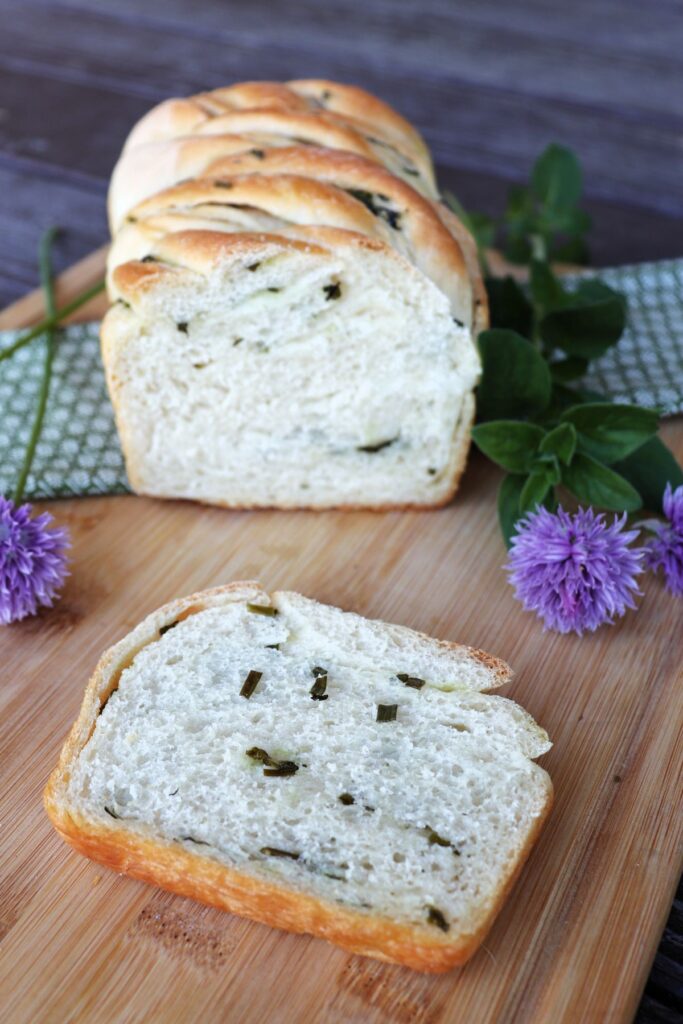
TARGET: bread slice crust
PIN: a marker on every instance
(308, 199)
(186, 873)
(347, 105)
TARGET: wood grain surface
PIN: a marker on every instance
(576, 939)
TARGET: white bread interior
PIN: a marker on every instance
(260, 371)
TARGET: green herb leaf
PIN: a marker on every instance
(164, 629)
(518, 247)
(610, 432)
(386, 712)
(535, 490)
(272, 851)
(284, 768)
(560, 442)
(510, 443)
(259, 754)
(592, 482)
(515, 379)
(509, 493)
(573, 250)
(274, 767)
(520, 224)
(592, 319)
(556, 178)
(377, 447)
(317, 691)
(262, 609)
(435, 917)
(508, 305)
(649, 470)
(413, 681)
(570, 368)
(250, 683)
(435, 839)
(547, 290)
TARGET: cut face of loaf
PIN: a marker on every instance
(308, 768)
(271, 202)
(252, 370)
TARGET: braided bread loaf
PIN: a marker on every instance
(294, 311)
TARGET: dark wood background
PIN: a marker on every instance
(489, 82)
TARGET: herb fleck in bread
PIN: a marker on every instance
(308, 768)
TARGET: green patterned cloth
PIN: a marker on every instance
(646, 366)
(79, 452)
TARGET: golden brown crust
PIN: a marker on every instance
(187, 873)
(177, 118)
(291, 197)
(246, 95)
(145, 169)
(444, 248)
(201, 250)
(315, 190)
(365, 107)
(480, 315)
(440, 245)
(348, 106)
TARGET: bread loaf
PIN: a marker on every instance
(339, 187)
(307, 768)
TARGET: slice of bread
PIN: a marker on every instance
(261, 371)
(308, 768)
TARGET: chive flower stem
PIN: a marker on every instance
(53, 319)
(45, 259)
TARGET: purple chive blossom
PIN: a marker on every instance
(32, 561)
(575, 571)
(665, 549)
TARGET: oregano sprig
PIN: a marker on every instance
(535, 420)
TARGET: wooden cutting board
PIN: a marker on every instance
(575, 940)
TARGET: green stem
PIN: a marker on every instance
(48, 291)
(539, 249)
(52, 320)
